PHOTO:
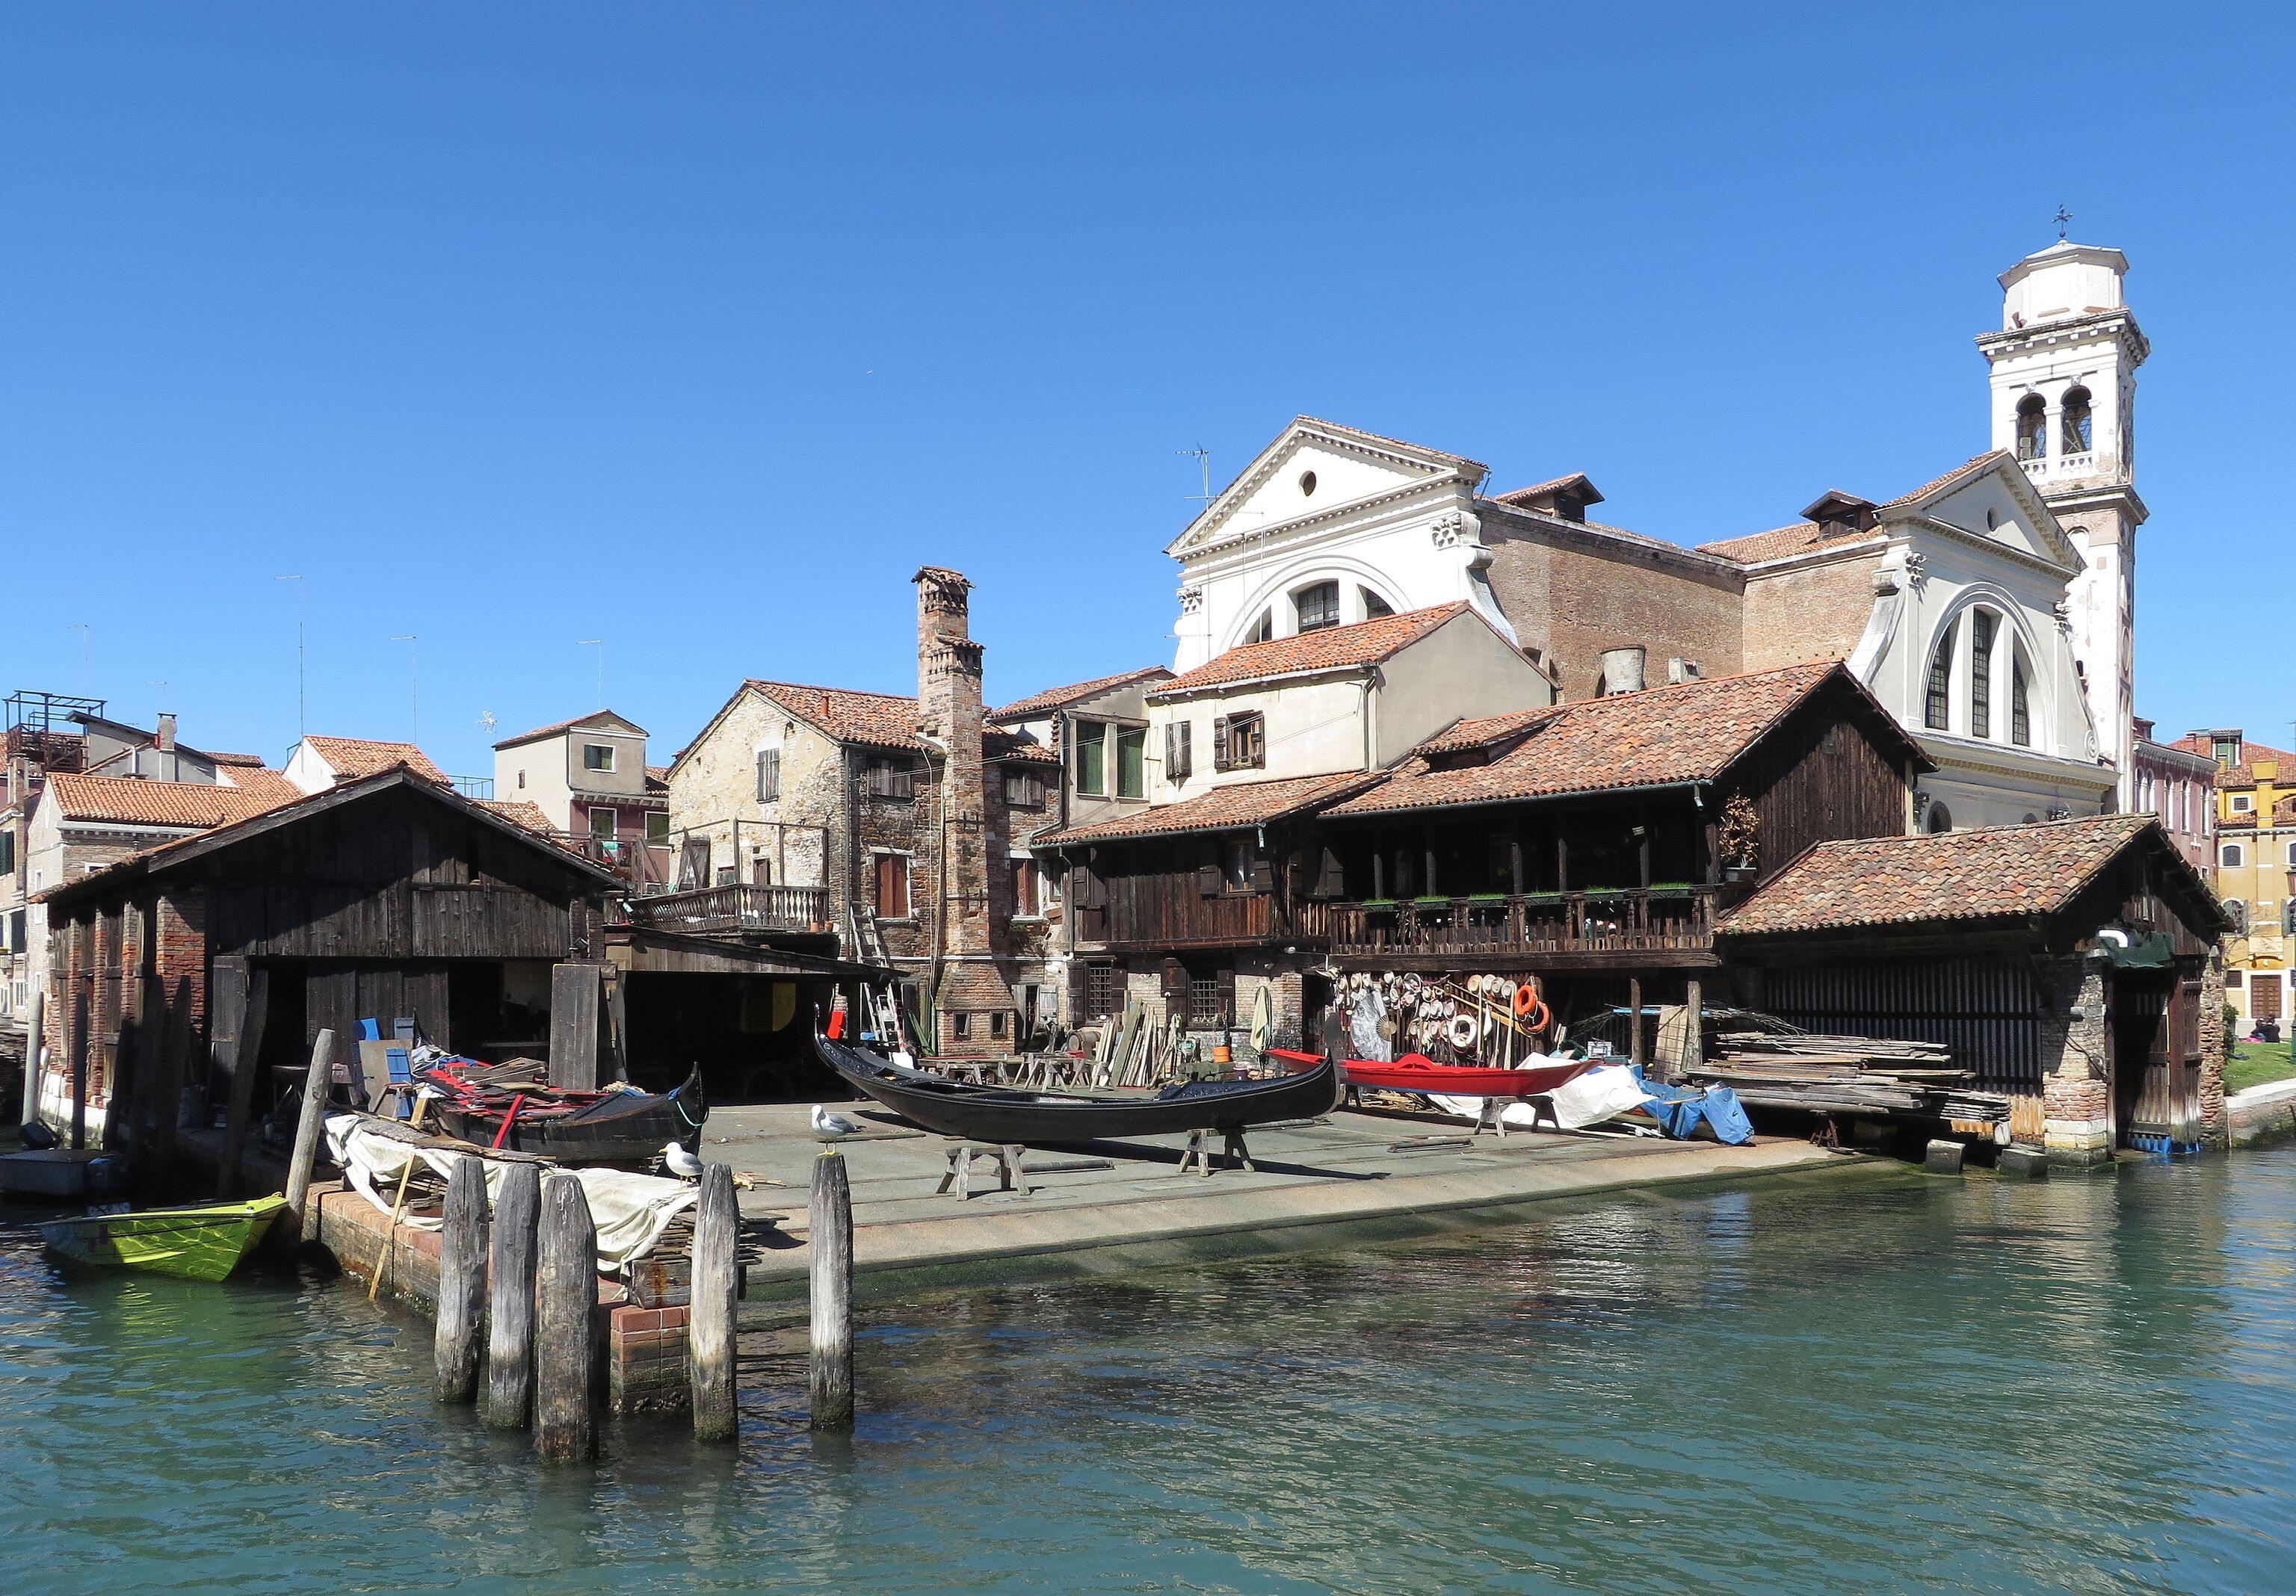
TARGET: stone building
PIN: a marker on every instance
(879, 825)
(590, 779)
(2176, 785)
(2074, 966)
(2255, 797)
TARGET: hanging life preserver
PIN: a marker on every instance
(1541, 1015)
(1463, 1031)
(1525, 999)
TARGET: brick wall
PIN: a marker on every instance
(2076, 1057)
(2216, 1126)
(1815, 612)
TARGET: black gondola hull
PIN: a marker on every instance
(998, 1114)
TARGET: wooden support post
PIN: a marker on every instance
(830, 1376)
(318, 1081)
(510, 1298)
(1693, 1025)
(34, 1041)
(164, 1050)
(565, 1325)
(79, 1046)
(709, 1319)
(1635, 1055)
(461, 1281)
(574, 991)
(244, 1063)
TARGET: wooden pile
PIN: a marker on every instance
(1848, 1075)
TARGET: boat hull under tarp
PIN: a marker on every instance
(1415, 1072)
(205, 1242)
(998, 1114)
(623, 1128)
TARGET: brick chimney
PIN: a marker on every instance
(974, 1013)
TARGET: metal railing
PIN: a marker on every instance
(1674, 917)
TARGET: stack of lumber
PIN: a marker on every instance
(1848, 1075)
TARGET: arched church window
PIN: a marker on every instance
(1263, 628)
(1317, 606)
(2077, 425)
(1982, 622)
(2032, 425)
(1940, 819)
(1938, 702)
(1375, 606)
(2021, 702)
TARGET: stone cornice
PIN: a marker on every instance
(1204, 532)
(1431, 486)
(2119, 324)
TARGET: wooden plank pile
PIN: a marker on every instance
(1848, 1075)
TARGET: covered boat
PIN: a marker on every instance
(204, 1242)
(1416, 1072)
(1002, 1114)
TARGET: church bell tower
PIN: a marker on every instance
(2064, 402)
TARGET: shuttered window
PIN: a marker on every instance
(1178, 757)
(1024, 790)
(887, 777)
(1092, 758)
(893, 886)
(769, 775)
(1132, 762)
(1239, 742)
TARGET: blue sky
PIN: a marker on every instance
(696, 329)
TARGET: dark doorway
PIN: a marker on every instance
(752, 1036)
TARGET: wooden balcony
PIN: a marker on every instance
(736, 909)
(1149, 918)
(1659, 926)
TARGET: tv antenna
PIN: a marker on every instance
(1203, 459)
(598, 644)
(298, 581)
(486, 720)
(81, 627)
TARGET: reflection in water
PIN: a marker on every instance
(1877, 1381)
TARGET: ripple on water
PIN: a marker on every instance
(1872, 1383)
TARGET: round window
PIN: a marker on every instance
(1306, 484)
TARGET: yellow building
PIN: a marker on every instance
(2256, 832)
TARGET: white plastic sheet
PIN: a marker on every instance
(631, 1211)
(1599, 1095)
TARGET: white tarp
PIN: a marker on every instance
(631, 1211)
(1599, 1095)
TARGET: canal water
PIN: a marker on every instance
(1859, 1382)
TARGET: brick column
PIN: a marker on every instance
(2216, 1124)
(2076, 1057)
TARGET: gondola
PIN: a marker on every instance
(572, 1127)
(1005, 1115)
(1416, 1072)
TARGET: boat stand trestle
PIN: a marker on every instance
(1006, 1157)
(1199, 1153)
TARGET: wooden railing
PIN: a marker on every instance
(1165, 919)
(735, 907)
(1661, 919)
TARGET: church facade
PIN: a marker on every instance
(1989, 609)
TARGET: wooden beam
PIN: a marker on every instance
(574, 1012)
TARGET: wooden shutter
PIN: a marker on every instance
(1219, 742)
(1180, 757)
(1330, 878)
(769, 775)
(1207, 874)
(1254, 730)
(1263, 873)
(892, 886)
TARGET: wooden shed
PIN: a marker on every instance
(389, 896)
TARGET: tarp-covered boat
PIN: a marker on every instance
(1416, 1072)
(1003, 1113)
(205, 1242)
(573, 1127)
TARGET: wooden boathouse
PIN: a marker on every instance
(2075, 966)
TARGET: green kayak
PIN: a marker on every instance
(204, 1242)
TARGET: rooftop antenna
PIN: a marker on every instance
(162, 685)
(1203, 459)
(2064, 219)
(598, 644)
(81, 627)
(413, 685)
(486, 720)
(298, 581)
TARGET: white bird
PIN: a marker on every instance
(681, 1163)
(827, 1124)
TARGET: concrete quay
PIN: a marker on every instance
(1358, 1175)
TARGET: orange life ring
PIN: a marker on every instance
(1525, 999)
(1546, 1016)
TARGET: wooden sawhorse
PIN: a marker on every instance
(1007, 1158)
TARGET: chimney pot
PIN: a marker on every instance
(166, 737)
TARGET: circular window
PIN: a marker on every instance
(1306, 484)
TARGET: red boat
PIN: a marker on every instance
(1416, 1072)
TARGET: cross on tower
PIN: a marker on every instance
(2062, 218)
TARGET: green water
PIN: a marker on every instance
(1877, 1382)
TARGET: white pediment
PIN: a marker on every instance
(1314, 469)
(1998, 505)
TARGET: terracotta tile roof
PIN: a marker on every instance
(1055, 698)
(1539, 490)
(520, 812)
(882, 720)
(1331, 647)
(1994, 872)
(233, 759)
(125, 800)
(1221, 809)
(1689, 731)
(567, 725)
(255, 780)
(352, 758)
(656, 778)
(1804, 537)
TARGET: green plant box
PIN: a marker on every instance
(1378, 903)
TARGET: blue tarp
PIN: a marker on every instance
(1678, 1109)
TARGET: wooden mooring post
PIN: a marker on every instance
(461, 1281)
(318, 1080)
(709, 1319)
(36, 1043)
(510, 1298)
(566, 1326)
(830, 1374)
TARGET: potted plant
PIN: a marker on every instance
(1738, 836)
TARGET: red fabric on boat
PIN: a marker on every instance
(1416, 1072)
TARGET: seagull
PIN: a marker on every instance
(681, 1163)
(832, 1125)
